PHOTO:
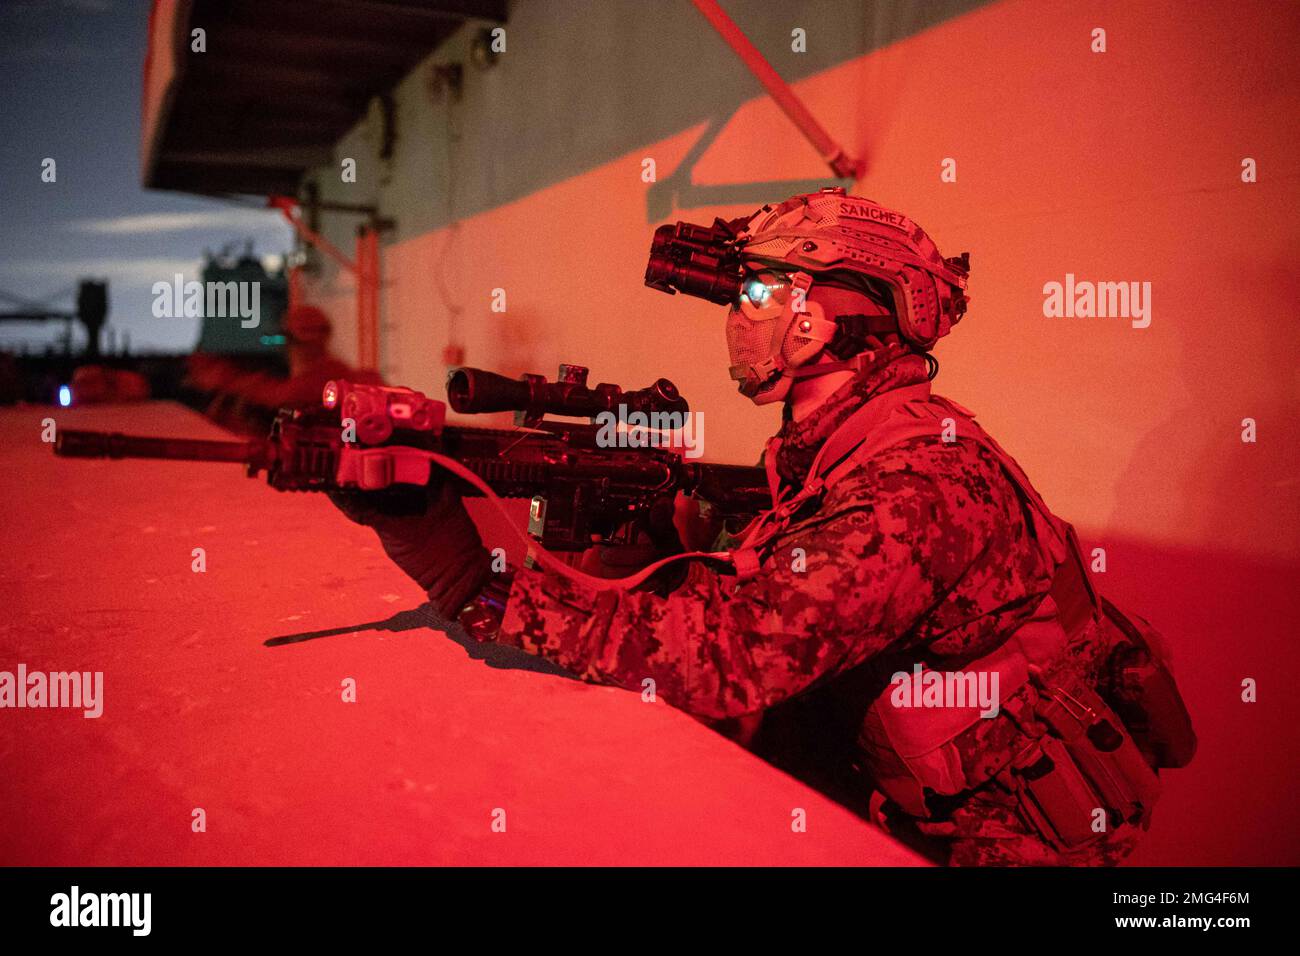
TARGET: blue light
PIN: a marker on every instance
(757, 292)
(65, 396)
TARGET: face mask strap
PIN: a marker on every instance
(859, 361)
(856, 363)
(754, 375)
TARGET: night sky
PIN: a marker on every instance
(70, 75)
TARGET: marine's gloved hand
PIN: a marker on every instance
(430, 536)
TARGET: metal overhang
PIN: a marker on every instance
(280, 81)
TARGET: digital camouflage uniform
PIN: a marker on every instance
(921, 553)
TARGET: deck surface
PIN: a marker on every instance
(95, 575)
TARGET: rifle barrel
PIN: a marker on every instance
(87, 444)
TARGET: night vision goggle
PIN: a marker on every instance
(703, 261)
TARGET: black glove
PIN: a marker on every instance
(429, 535)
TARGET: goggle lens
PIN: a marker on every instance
(766, 288)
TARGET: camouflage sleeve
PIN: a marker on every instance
(890, 543)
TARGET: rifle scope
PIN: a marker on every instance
(472, 390)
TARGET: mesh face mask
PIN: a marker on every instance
(751, 326)
(754, 329)
(763, 339)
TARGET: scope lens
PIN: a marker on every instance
(458, 389)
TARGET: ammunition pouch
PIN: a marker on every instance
(1068, 758)
(1084, 776)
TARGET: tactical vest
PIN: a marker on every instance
(1054, 742)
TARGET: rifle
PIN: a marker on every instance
(378, 440)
